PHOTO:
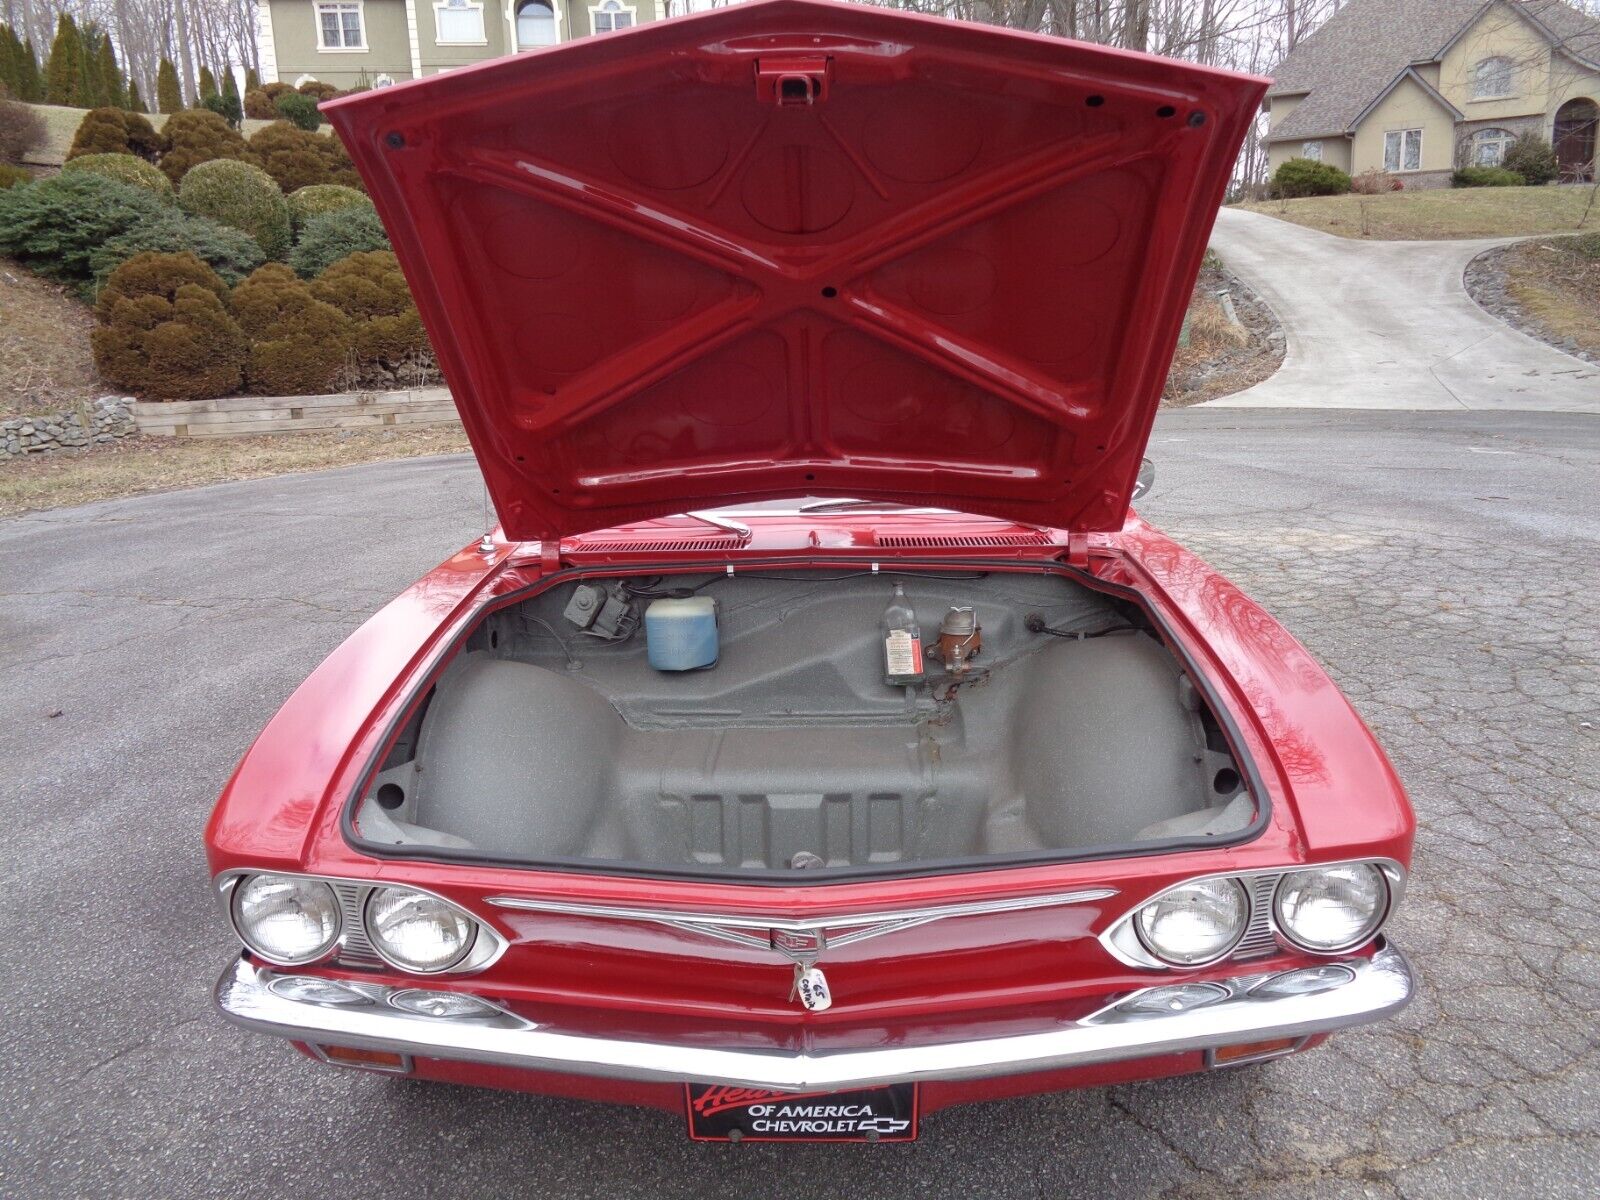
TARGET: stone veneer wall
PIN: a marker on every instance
(104, 420)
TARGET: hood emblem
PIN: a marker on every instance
(802, 941)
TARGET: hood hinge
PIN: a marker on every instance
(1077, 549)
(549, 556)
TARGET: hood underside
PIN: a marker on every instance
(799, 248)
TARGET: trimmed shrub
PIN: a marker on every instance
(240, 195)
(196, 136)
(1373, 182)
(1471, 177)
(21, 130)
(319, 198)
(51, 226)
(114, 131)
(298, 344)
(328, 237)
(228, 252)
(1588, 245)
(226, 105)
(369, 289)
(259, 102)
(1530, 156)
(317, 90)
(1307, 177)
(11, 176)
(165, 332)
(298, 110)
(122, 167)
(297, 158)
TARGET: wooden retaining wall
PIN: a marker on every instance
(233, 416)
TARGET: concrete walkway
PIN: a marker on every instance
(1389, 325)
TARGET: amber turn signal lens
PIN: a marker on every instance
(1223, 1055)
(372, 1060)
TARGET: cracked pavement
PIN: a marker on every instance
(1444, 567)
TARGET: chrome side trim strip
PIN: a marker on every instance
(855, 927)
(1282, 1004)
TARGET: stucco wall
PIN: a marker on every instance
(294, 36)
(1499, 33)
(1407, 107)
(1335, 152)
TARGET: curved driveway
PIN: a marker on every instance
(1389, 325)
(165, 630)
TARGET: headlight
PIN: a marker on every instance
(1326, 909)
(286, 920)
(418, 932)
(1194, 923)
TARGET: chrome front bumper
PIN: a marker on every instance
(1167, 1019)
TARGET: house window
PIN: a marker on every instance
(536, 24)
(1311, 150)
(339, 26)
(1489, 147)
(610, 16)
(458, 23)
(1491, 79)
(1402, 150)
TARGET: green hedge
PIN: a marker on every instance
(52, 226)
(227, 251)
(331, 236)
(240, 195)
(319, 198)
(123, 167)
(1306, 177)
(1471, 177)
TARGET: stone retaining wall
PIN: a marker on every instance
(102, 420)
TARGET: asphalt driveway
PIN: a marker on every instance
(1389, 325)
(1446, 567)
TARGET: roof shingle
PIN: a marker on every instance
(1348, 62)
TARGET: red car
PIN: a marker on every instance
(820, 740)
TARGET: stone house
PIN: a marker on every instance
(1420, 87)
(378, 42)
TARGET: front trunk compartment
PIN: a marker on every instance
(1073, 730)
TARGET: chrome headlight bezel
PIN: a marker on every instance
(1231, 891)
(1263, 934)
(1369, 930)
(351, 948)
(321, 952)
(409, 894)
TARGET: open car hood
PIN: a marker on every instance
(798, 248)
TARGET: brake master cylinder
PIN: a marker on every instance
(960, 638)
(902, 642)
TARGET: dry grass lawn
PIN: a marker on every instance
(142, 464)
(45, 364)
(1556, 282)
(1443, 213)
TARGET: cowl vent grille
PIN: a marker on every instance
(656, 545)
(912, 541)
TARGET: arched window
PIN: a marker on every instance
(536, 24)
(1491, 78)
(1489, 146)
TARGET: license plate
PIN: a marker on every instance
(728, 1114)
